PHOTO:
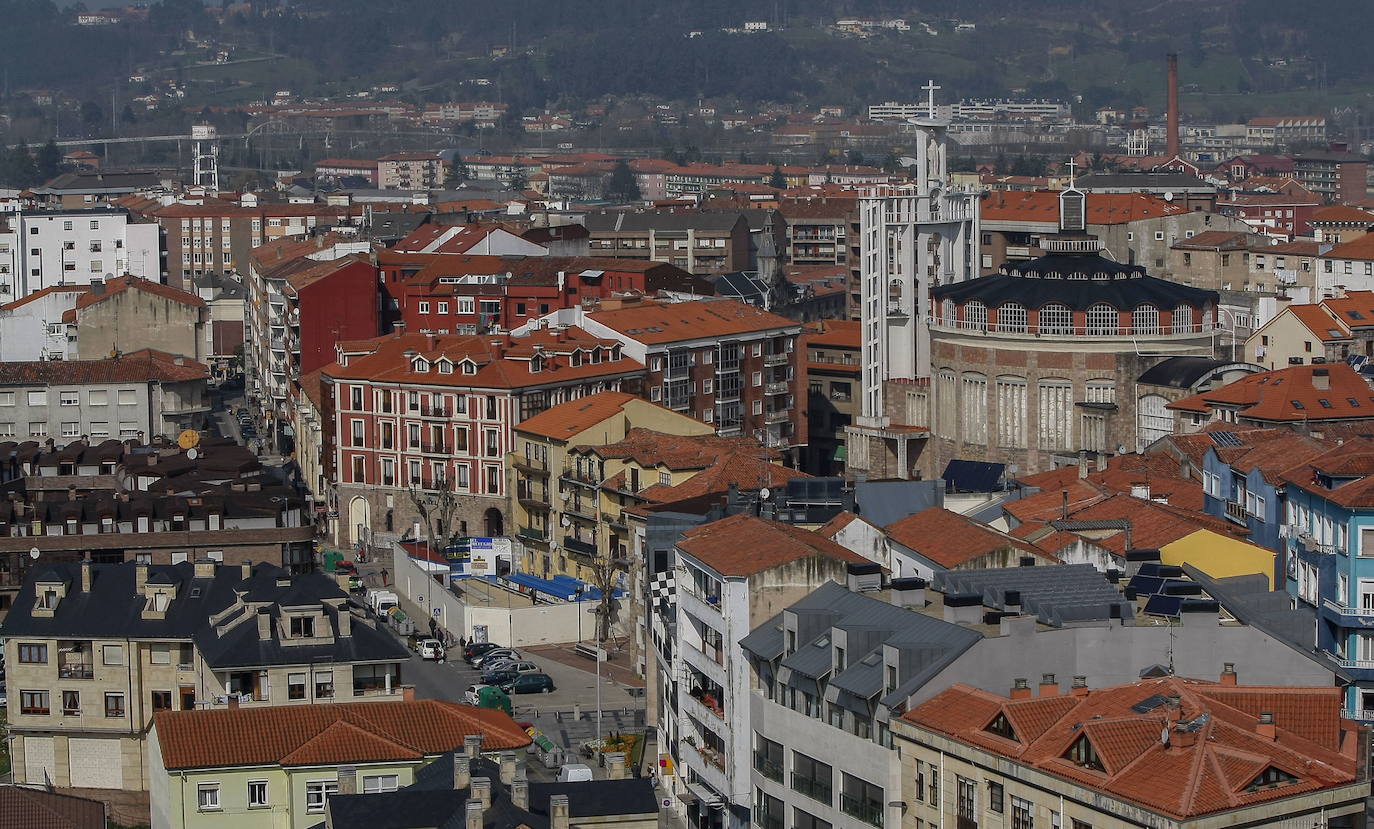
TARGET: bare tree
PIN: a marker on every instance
(604, 572)
(435, 506)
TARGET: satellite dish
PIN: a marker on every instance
(33, 553)
(188, 439)
(765, 493)
(1169, 196)
(565, 521)
(192, 453)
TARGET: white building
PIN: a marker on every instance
(31, 328)
(730, 576)
(912, 237)
(42, 248)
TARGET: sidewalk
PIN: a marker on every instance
(615, 672)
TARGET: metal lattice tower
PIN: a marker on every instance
(205, 150)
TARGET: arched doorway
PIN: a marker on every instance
(359, 520)
(494, 523)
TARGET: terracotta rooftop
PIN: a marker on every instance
(1323, 324)
(1288, 395)
(120, 284)
(950, 539)
(1103, 208)
(743, 545)
(1352, 459)
(571, 418)
(1215, 757)
(1361, 247)
(134, 367)
(341, 733)
(1354, 310)
(1342, 214)
(23, 808)
(653, 322)
(48, 291)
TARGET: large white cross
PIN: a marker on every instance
(930, 88)
(1072, 164)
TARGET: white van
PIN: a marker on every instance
(574, 773)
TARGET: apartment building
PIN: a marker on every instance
(143, 394)
(284, 765)
(1269, 131)
(32, 328)
(833, 376)
(1328, 331)
(1337, 175)
(128, 314)
(700, 243)
(43, 248)
(732, 365)
(730, 575)
(95, 650)
(428, 412)
(334, 169)
(1216, 260)
(410, 171)
(1231, 755)
(305, 298)
(556, 502)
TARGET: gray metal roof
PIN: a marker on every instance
(1054, 595)
(632, 221)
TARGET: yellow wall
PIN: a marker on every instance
(1288, 337)
(1219, 556)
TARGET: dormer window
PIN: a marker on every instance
(47, 598)
(1272, 777)
(1001, 726)
(216, 521)
(302, 627)
(469, 367)
(536, 365)
(421, 366)
(143, 523)
(160, 601)
(445, 367)
(1083, 755)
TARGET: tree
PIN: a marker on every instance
(17, 167)
(435, 508)
(517, 178)
(776, 180)
(621, 184)
(48, 160)
(855, 157)
(457, 173)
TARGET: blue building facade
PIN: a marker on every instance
(1245, 496)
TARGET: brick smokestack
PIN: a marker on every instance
(1172, 149)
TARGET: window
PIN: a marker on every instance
(71, 703)
(1271, 777)
(257, 794)
(1082, 754)
(804, 820)
(1145, 319)
(162, 700)
(975, 315)
(38, 398)
(1022, 814)
(424, 308)
(316, 792)
(1054, 411)
(302, 626)
(69, 398)
(295, 686)
(996, 797)
(128, 397)
(324, 684)
(1001, 726)
(37, 429)
(34, 653)
(33, 702)
(374, 783)
(812, 777)
(863, 800)
(1011, 316)
(112, 654)
(114, 705)
(966, 794)
(207, 797)
(1055, 318)
(1102, 320)
(71, 429)
(768, 758)
(160, 654)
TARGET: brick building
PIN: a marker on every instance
(1337, 175)
(437, 412)
(410, 171)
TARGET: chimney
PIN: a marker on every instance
(1141, 490)
(1171, 148)
(481, 790)
(615, 764)
(140, 576)
(864, 577)
(246, 569)
(1228, 673)
(1082, 465)
(520, 791)
(1020, 688)
(472, 814)
(1064, 512)
(909, 592)
(558, 811)
(472, 745)
(1080, 686)
(1321, 379)
(1101, 462)
(507, 767)
(462, 772)
(205, 568)
(407, 693)
(86, 576)
(1265, 727)
(346, 629)
(1048, 686)
(264, 623)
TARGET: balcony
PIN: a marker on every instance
(1362, 714)
(533, 534)
(577, 509)
(775, 388)
(777, 359)
(777, 416)
(578, 546)
(1236, 512)
(436, 411)
(727, 393)
(580, 477)
(525, 464)
(434, 449)
(76, 670)
(613, 520)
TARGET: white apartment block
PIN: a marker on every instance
(42, 248)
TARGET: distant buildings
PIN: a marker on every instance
(1337, 175)
(73, 246)
(410, 171)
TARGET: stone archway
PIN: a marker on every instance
(359, 520)
(494, 524)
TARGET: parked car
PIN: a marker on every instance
(431, 649)
(514, 665)
(530, 684)
(476, 650)
(472, 695)
(345, 567)
(574, 773)
(498, 677)
(486, 660)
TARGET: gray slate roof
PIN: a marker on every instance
(632, 221)
(1055, 595)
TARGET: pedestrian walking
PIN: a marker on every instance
(384, 577)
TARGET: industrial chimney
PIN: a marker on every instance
(1172, 126)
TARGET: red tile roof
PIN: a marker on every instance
(1354, 310)
(1318, 320)
(120, 284)
(341, 733)
(743, 545)
(950, 539)
(22, 808)
(1340, 213)
(48, 291)
(1103, 208)
(1287, 395)
(1207, 764)
(1359, 248)
(1354, 458)
(134, 367)
(568, 419)
(654, 322)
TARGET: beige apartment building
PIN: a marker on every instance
(95, 650)
(410, 171)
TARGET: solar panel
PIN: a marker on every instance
(1225, 439)
(1164, 606)
(1149, 704)
(1146, 585)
